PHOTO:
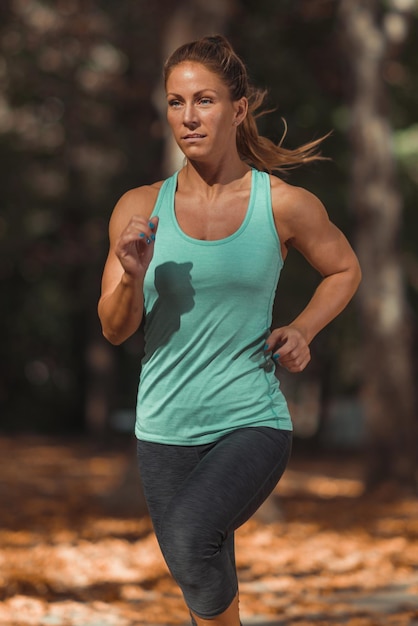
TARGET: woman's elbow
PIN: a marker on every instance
(352, 278)
(357, 274)
(116, 335)
(112, 337)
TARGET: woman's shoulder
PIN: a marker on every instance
(143, 194)
(295, 208)
(284, 193)
(138, 200)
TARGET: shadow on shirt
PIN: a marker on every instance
(173, 284)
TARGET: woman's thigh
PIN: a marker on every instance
(232, 480)
(223, 483)
(163, 470)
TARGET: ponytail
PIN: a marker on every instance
(218, 56)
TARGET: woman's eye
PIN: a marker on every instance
(205, 101)
(174, 103)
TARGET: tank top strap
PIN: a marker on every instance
(262, 211)
(165, 198)
(261, 193)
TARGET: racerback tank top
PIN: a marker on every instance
(208, 311)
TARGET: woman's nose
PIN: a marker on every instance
(190, 116)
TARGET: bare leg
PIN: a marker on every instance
(230, 617)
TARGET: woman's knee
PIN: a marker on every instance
(203, 565)
(188, 545)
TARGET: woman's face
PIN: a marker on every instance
(201, 114)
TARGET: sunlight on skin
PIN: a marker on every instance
(230, 617)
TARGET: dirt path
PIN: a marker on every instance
(77, 548)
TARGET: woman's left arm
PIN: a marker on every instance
(303, 223)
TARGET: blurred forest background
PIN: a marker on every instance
(82, 121)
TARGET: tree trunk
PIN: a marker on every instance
(388, 389)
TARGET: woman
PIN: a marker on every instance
(199, 257)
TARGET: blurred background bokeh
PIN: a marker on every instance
(82, 121)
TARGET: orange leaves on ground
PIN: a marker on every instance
(77, 547)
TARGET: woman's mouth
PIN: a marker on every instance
(193, 137)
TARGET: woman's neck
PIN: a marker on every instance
(198, 175)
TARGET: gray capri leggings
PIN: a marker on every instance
(198, 496)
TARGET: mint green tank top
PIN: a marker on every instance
(208, 311)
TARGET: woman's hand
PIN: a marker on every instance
(289, 348)
(135, 245)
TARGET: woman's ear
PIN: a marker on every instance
(241, 110)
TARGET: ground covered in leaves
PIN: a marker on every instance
(77, 548)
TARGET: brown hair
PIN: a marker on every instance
(217, 55)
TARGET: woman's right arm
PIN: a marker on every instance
(132, 236)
